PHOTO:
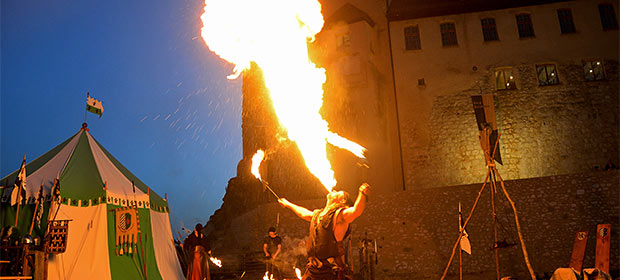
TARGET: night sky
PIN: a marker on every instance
(170, 115)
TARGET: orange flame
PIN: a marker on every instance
(268, 276)
(216, 261)
(274, 34)
(298, 273)
(257, 159)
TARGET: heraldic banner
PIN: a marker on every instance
(127, 230)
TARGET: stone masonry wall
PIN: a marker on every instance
(567, 128)
(417, 229)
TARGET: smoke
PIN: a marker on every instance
(293, 253)
(293, 247)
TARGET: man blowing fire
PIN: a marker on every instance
(328, 227)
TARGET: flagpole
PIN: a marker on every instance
(460, 248)
(460, 262)
(19, 190)
(86, 111)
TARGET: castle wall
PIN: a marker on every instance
(416, 229)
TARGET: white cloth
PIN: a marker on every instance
(87, 245)
(165, 253)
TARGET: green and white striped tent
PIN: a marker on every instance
(92, 183)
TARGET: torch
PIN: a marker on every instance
(257, 159)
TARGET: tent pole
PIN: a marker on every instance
(19, 198)
(36, 207)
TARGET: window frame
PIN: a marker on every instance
(414, 36)
(511, 84)
(566, 21)
(489, 30)
(447, 34)
(554, 80)
(591, 62)
(525, 26)
(611, 21)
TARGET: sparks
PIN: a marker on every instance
(216, 261)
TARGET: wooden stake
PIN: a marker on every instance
(19, 202)
(36, 207)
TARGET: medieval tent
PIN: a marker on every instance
(100, 198)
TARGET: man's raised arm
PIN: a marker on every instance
(298, 210)
(351, 213)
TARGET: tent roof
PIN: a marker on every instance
(88, 175)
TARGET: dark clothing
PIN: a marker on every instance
(324, 273)
(325, 254)
(272, 247)
(322, 243)
(198, 269)
(272, 244)
(196, 249)
(192, 240)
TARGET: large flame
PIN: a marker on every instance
(274, 35)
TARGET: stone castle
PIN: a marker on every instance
(400, 76)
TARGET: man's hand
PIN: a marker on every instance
(365, 189)
(266, 254)
(351, 213)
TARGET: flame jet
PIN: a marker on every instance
(275, 34)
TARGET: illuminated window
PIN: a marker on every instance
(524, 25)
(412, 38)
(448, 34)
(547, 75)
(565, 17)
(489, 29)
(593, 70)
(608, 16)
(504, 79)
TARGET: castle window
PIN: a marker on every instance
(565, 17)
(344, 41)
(608, 16)
(547, 74)
(489, 29)
(593, 70)
(504, 79)
(448, 34)
(412, 38)
(524, 25)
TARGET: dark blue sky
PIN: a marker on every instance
(170, 114)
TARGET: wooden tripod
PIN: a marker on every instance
(493, 174)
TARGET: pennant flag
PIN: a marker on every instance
(19, 189)
(465, 246)
(94, 106)
(40, 208)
